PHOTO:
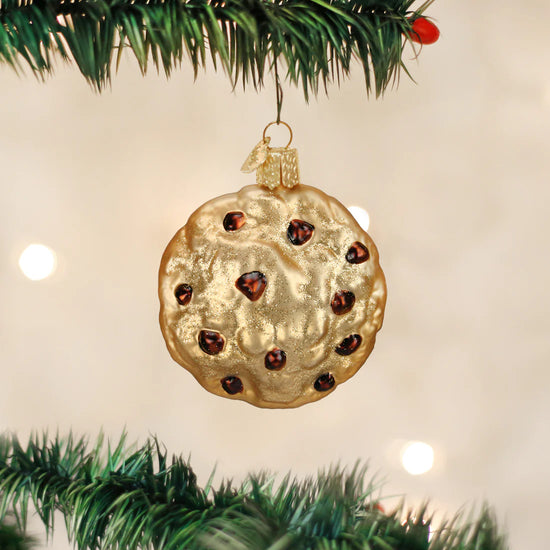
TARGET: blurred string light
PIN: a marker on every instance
(37, 262)
(417, 457)
(361, 216)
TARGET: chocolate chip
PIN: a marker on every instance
(183, 294)
(233, 221)
(342, 302)
(275, 359)
(357, 253)
(232, 385)
(325, 382)
(349, 344)
(299, 232)
(252, 285)
(211, 342)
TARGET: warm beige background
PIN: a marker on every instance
(455, 174)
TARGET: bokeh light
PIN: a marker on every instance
(361, 216)
(417, 457)
(37, 262)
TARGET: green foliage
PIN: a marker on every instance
(11, 538)
(315, 40)
(136, 498)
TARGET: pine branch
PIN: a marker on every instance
(135, 498)
(11, 538)
(316, 40)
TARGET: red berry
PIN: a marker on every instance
(424, 31)
(375, 506)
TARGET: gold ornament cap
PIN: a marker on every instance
(274, 166)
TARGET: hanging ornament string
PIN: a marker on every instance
(279, 92)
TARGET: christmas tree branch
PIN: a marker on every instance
(315, 40)
(11, 538)
(135, 498)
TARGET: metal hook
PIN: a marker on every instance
(284, 124)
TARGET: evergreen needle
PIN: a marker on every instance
(314, 41)
(132, 498)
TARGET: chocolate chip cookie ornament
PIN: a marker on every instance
(273, 294)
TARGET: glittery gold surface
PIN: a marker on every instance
(294, 312)
(257, 156)
(279, 168)
(274, 166)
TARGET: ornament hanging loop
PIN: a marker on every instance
(279, 122)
